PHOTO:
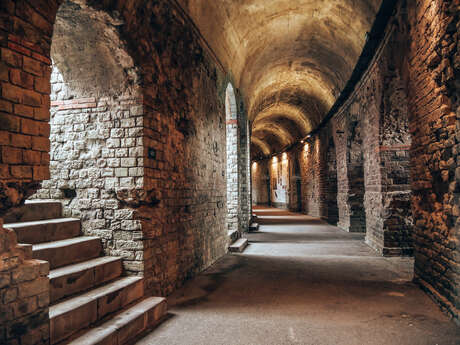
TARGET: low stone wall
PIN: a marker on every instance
(24, 293)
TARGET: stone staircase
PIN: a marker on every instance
(91, 302)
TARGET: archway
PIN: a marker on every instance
(232, 159)
(95, 128)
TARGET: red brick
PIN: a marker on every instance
(42, 113)
(44, 129)
(11, 155)
(4, 138)
(11, 58)
(42, 85)
(41, 58)
(20, 140)
(9, 122)
(24, 110)
(30, 127)
(21, 78)
(19, 49)
(12, 93)
(6, 106)
(4, 75)
(41, 144)
(33, 66)
(21, 171)
(31, 98)
(4, 171)
(32, 157)
(45, 159)
(41, 173)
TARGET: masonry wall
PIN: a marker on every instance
(371, 130)
(182, 208)
(260, 182)
(432, 77)
(24, 293)
(25, 36)
(170, 224)
(96, 131)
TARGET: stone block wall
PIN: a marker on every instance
(432, 76)
(232, 163)
(96, 155)
(24, 293)
(376, 116)
(182, 208)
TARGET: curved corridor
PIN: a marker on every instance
(302, 281)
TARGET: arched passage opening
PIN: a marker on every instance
(96, 125)
(232, 159)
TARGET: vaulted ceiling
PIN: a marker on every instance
(290, 58)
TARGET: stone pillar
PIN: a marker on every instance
(347, 129)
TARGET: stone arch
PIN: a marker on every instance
(231, 115)
(96, 134)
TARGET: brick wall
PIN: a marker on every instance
(182, 208)
(433, 67)
(24, 293)
(25, 33)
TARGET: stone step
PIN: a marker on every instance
(233, 235)
(70, 280)
(34, 210)
(125, 327)
(40, 231)
(254, 227)
(69, 251)
(72, 315)
(239, 245)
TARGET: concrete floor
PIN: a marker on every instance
(302, 281)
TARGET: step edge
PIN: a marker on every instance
(94, 294)
(41, 222)
(61, 244)
(99, 261)
(111, 326)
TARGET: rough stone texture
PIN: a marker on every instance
(24, 294)
(433, 69)
(260, 182)
(348, 133)
(182, 208)
(375, 121)
(231, 112)
(169, 224)
(96, 130)
(24, 102)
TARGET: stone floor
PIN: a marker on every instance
(302, 281)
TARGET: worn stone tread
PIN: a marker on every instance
(68, 251)
(34, 210)
(126, 326)
(70, 304)
(70, 269)
(239, 246)
(69, 280)
(39, 231)
(84, 310)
